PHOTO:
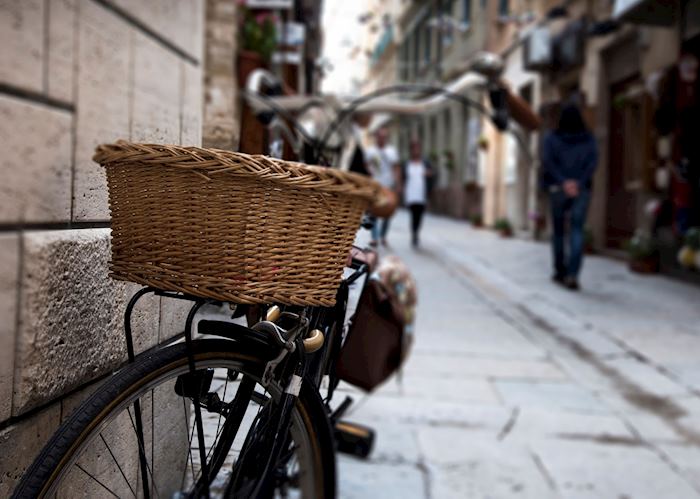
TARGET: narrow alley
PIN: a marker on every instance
(517, 388)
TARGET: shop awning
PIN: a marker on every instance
(650, 12)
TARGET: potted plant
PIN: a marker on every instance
(257, 41)
(539, 223)
(477, 220)
(504, 227)
(689, 254)
(643, 254)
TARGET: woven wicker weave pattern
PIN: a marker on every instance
(229, 226)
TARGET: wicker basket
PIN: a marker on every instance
(230, 226)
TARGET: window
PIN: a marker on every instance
(503, 9)
(428, 39)
(416, 50)
(404, 60)
(467, 12)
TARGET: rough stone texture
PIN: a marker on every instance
(178, 21)
(61, 48)
(191, 110)
(19, 443)
(37, 175)
(22, 42)
(71, 318)
(9, 268)
(104, 71)
(156, 96)
(221, 104)
(173, 314)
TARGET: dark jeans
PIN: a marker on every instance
(380, 228)
(416, 219)
(576, 209)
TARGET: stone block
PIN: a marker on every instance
(103, 101)
(173, 315)
(191, 111)
(583, 470)
(37, 165)
(360, 479)
(9, 269)
(181, 22)
(21, 442)
(22, 42)
(61, 48)
(465, 464)
(156, 93)
(71, 317)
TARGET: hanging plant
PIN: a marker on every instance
(258, 32)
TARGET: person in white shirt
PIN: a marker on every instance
(417, 180)
(383, 163)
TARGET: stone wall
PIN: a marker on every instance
(73, 74)
(221, 103)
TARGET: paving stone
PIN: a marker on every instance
(559, 395)
(37, 183)
(482, 335)
(463, 464)
(20, 442)
(156, 113)
(71, 317)
(358, 479)
(532, 422)
(449, 389)
(687, 459)
(9, 282)
(489, 418)
(461, 367)
(646, 376)
(104, 68)
(61, 48)
(22, 42)
(584, 470)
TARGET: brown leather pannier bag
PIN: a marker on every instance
(373, 349)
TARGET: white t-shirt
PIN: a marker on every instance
(381, 163)
(415, 182)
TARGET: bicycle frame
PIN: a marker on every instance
(289, 364)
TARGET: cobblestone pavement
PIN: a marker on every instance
(517, 388)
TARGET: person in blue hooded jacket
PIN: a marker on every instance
(569, 159)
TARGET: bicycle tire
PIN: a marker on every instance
(79, 428)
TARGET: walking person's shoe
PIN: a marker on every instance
(571, 283)
(559, 279)
(373, 243)
(384, 243)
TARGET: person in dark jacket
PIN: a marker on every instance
(569, 159)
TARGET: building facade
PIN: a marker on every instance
(74, 74)
(620, 61)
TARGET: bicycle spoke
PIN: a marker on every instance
(190, 433)
(237, 411)
(117, 463)
(96, 480)
(143, 450)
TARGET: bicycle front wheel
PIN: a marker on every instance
(137, 435)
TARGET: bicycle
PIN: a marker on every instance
(257, 386)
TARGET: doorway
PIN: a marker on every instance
(627, 159)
